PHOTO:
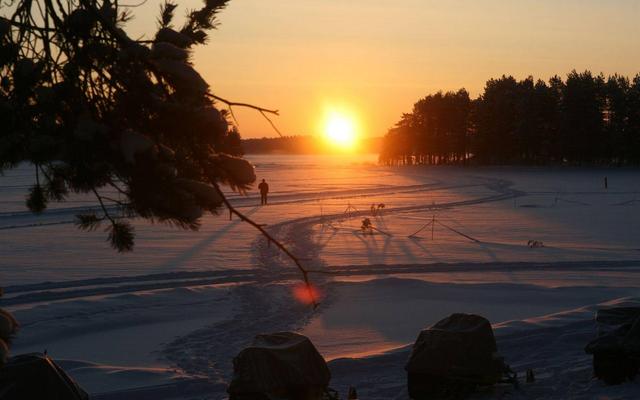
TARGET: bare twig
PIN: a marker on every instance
(118, 202)
(116, 187)
(247, 105)
(271, 239)
(104, 208)
(271, 122)
(31, 27)
(235, 120)
(261, 110)
(134, 5)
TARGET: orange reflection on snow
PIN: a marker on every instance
(306, 294)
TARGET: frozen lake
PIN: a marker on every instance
(449, 239)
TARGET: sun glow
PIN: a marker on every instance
(340, 130)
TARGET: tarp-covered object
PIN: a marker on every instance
(279, 365)
(457, 352)
(36, 376)
(616, 350)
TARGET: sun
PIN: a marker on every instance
(340, 130)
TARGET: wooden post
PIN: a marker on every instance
(433, 224)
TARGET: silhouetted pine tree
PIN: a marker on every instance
(616, 118)
(631, 140)
(93, 109)
(584, 120)
(436, 132)
(497, 121)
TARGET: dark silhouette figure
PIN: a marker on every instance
(264, 190)
(606, 183)
(530, 376)
(367, 226)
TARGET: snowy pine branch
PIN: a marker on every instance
(89, 107)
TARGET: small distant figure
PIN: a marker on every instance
(353, 394)
(367, 226)
(606, 183)
(264, 190)
(535, 244)
(375, 210)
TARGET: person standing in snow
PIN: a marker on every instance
(264, 190)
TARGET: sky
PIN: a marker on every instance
(372, 59)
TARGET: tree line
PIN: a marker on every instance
(584, 119)
(302, 144)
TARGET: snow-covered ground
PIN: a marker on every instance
(165, 321)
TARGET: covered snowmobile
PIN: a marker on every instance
(616, 350)
(283, 366)
(453, 357)
(36, 376)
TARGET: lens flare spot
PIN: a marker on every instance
(306, 294)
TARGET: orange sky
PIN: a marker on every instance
(377, 57)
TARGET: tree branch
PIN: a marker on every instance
(104, 208)
(271, 122)
(261, 110)
(30, 27)
(247, 105)
(271, 239)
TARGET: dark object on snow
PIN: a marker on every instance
(280, 365)
(616, 350)
(367, 226)
(453, 357)
(36, 376)
(535, 244)
(264, 191)
(530, 376)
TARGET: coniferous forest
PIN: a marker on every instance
(584, 119)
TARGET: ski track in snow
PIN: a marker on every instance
(66, 215)
(262, 303)
(271, 265)
(266, 307)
